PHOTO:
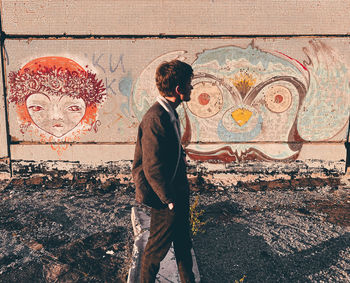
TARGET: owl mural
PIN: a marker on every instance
(249, 104)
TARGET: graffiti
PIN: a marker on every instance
(109, 86)
(114, 85)
(96, 62)
(58, 97)
(247, 103)
(115, 67)
(119, 87)
(244, 99)
(112, 66)
(95, 125)
(125, 86)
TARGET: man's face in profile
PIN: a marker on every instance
(186, 92)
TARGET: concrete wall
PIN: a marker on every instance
(179, 17)
(3, 127)
(271, 78)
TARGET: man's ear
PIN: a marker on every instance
(178, 90)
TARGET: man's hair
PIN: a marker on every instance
(171, 74)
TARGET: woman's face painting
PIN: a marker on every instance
(56, 115)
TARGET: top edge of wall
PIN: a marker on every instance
(175, 17)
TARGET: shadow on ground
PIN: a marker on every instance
(227, 251)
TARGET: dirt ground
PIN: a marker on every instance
(63, 230)
(277, 234)
(78, 229)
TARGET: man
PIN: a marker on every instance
(159, 152)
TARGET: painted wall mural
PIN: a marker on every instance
(248, 103)
(253, 104)
(118, 83)
(56, 99)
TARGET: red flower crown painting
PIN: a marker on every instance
(56, 99)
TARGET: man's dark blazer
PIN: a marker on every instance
(157, 149)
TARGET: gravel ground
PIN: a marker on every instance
(288, 234)
(65, 231)
(79, 230)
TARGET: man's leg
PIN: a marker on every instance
(183, 243)
(158, 244)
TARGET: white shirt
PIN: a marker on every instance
(165, 104)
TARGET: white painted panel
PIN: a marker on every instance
(3, 130)
(330, 152)
(181, 17)
(85, 154)
(278, 152)
(99, 154)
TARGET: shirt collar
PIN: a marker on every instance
(165, 104)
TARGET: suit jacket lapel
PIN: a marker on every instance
(174, 118)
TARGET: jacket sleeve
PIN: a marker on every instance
(155, 153)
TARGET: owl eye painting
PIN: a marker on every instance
(253, 105)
